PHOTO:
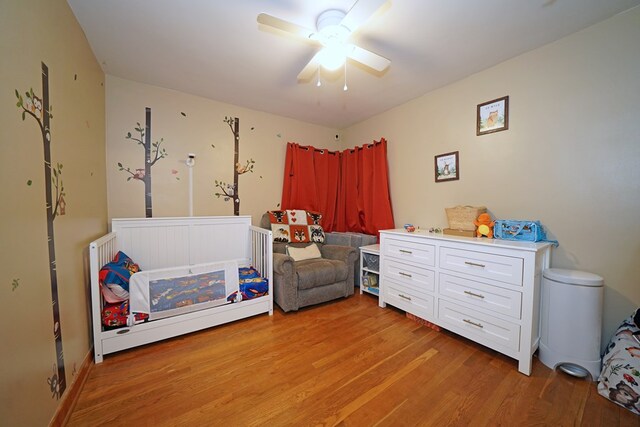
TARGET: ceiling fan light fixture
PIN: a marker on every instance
(334, 28)
(333, 57)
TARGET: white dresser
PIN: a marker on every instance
(484, 289)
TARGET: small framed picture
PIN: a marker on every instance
(447, 167)
(493, 116)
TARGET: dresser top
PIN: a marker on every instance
(483, 241)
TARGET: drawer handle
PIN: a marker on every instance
(404, 251)
(472, 323)
(474, 295)
(474, 264)
(404, 274)
(405, 297)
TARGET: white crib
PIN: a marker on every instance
(172, 242)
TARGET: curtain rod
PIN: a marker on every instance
(351, 150)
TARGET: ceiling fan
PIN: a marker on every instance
(334, 27)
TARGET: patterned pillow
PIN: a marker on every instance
(296, 226)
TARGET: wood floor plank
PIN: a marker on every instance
(345, 363)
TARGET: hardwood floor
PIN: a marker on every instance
(347, 363)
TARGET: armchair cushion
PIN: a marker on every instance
(319, 272)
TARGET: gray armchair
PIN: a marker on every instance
(299, 284)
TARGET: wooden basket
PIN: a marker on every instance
(462, 217)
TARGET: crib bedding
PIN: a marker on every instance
(157, 294)
(252, 284)
(115, 315)
(114, 278)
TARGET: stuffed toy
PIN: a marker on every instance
(485, 226)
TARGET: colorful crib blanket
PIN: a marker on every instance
(252, 285)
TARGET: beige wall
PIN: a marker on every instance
(33, 32)
(263, 138)
(571, 156)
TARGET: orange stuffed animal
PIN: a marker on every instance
(485, 226)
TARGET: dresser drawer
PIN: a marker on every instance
(491, 266)
(421, 279)
(405, 299)
(481, 295)
(483, 328)
(409, 251)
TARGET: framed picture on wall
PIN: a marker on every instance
(447, 167)
(493, 116)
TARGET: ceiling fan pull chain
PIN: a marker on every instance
(345, 88)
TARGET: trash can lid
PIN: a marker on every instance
(573, 277)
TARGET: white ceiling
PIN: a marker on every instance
(215, 48)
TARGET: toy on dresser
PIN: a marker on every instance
(485, 226)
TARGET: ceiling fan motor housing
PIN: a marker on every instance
(329, 25)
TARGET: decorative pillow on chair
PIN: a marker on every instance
(300, 254)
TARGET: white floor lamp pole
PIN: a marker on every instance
(191, 162)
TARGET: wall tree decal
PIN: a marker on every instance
(150, 149)
(40, 110)
(229, 191)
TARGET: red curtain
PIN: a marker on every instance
(311, 179)
(350, 189)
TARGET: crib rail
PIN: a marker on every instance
(262, 256)
(101, 251)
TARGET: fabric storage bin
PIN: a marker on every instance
(371, 261)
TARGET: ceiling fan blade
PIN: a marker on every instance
(286, 26)
(368, 58)
(309, 69)
(360, 12)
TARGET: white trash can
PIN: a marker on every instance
(571, 321)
